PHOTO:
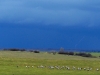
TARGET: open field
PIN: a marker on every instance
(97, 54)
(28, 63)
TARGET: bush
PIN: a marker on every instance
(66, 53)
(36, 51)
(14, 49)
(80, 54)
(87, 55)
(62, 52)
(84, 54)
(71, 53)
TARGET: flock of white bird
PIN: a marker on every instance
(64, 67)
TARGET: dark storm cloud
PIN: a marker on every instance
(51, 12)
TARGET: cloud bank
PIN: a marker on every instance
(51, 12)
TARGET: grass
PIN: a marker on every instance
(9, 60)
(97, 54)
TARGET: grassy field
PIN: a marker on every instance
(15, 62)
(97, 54)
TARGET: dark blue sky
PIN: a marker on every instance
(71, 24)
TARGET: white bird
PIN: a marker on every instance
(97, 69)
(51, 67)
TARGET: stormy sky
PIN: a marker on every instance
(71, 24)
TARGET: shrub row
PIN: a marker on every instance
(66, 53)
(35, 51)
(77, 54)
(84, 54)
(14, 49)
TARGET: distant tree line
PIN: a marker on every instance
(14, 49)
(66, 53)
(84, 54)
(35, 51)
(76, 54)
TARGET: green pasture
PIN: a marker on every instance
(97, 54)
(9, 60)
